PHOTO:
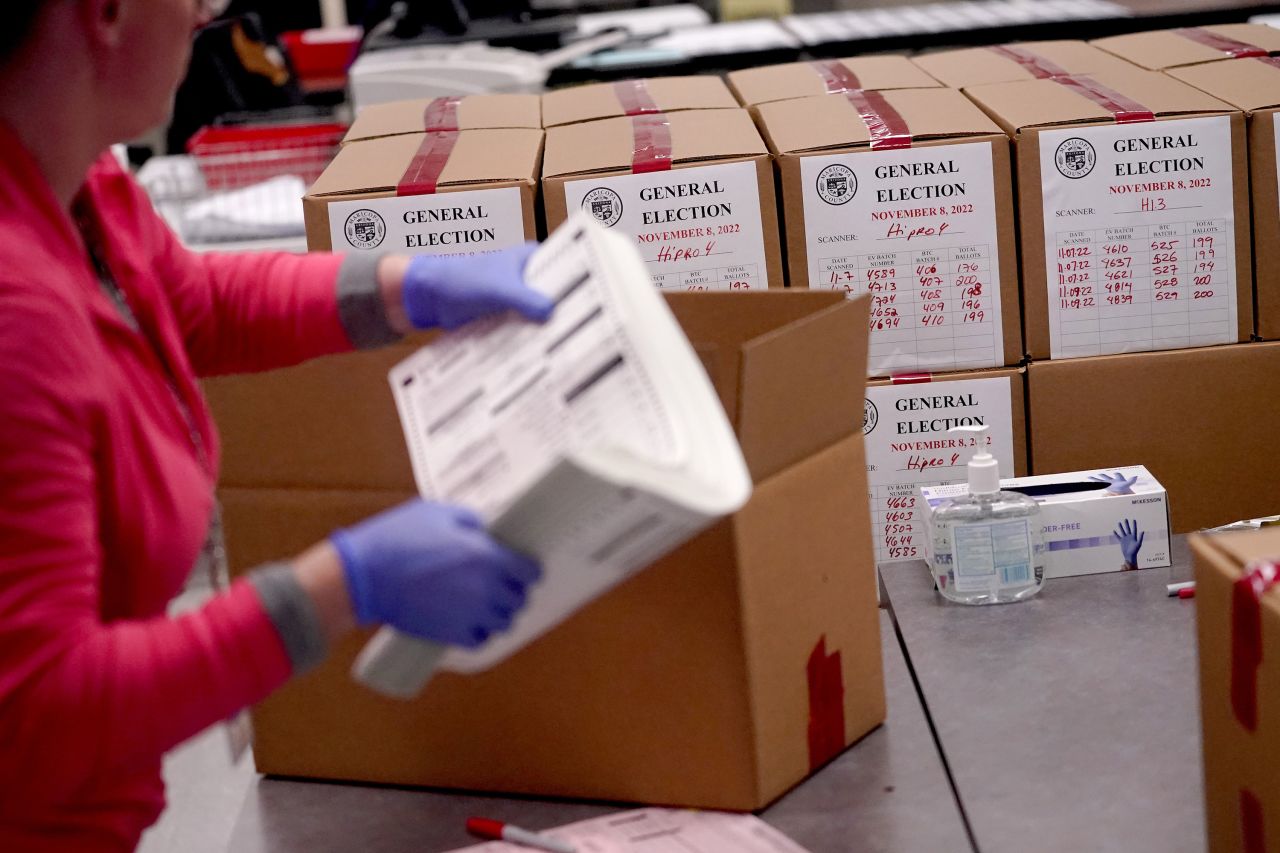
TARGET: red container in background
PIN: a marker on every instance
(238, 156)
(321, 58)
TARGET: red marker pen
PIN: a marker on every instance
(496, 830)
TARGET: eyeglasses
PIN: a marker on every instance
(210, 9)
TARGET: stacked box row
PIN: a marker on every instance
(1116, 175)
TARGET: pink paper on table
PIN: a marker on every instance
(662, 831)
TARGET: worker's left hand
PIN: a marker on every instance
(448, 291)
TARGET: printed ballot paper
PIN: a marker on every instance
(594, 442)
(662, 831)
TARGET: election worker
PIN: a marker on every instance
(108, 455)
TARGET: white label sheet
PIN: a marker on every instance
(488, 411)
(1139, 232)
(915, 228)
(662, 831)
(448, 223)
(905, 430)
(698, 228)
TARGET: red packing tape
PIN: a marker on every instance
(441, 114)
(651, 150)
(886, 125)
(1122, 107)
(1253, 835)
(635, 98)
(1039, 66)
(910, 378)
(424, 169)
(1229, 46)
(1246, 639)
(836, 76)
(826, 705)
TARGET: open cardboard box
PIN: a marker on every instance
(718, 678)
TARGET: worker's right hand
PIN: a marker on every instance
(431, 570)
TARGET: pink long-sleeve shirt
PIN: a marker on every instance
(105, 501)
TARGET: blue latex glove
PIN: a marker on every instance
(1117, 483)
(431, 570)
(1131, 540)
(448, 291)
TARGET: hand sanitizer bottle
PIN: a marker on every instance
(988, 545)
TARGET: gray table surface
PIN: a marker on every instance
(889, 792)
(1069, 722)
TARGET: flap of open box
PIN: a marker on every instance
(790, 367)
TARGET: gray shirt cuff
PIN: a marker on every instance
(360, 306)
(293, 613)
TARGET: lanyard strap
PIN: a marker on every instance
(212, 559)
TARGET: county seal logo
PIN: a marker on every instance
(1075, 158)
(837, 184)
(604, 204)
(870, 417)
(365, 229)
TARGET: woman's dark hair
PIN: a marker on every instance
(19, 21)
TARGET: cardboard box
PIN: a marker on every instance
(442, 193)
(1253, 85)
(1083, 518)
(1238, 630)
(468, 112)
(718, 678)
(1162, 49)
(1133, 199)
(1195, 418)
(905, 427)
(1024, 60)
(635, 97)
(927, 229)
(823, 77)
(694, 188)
